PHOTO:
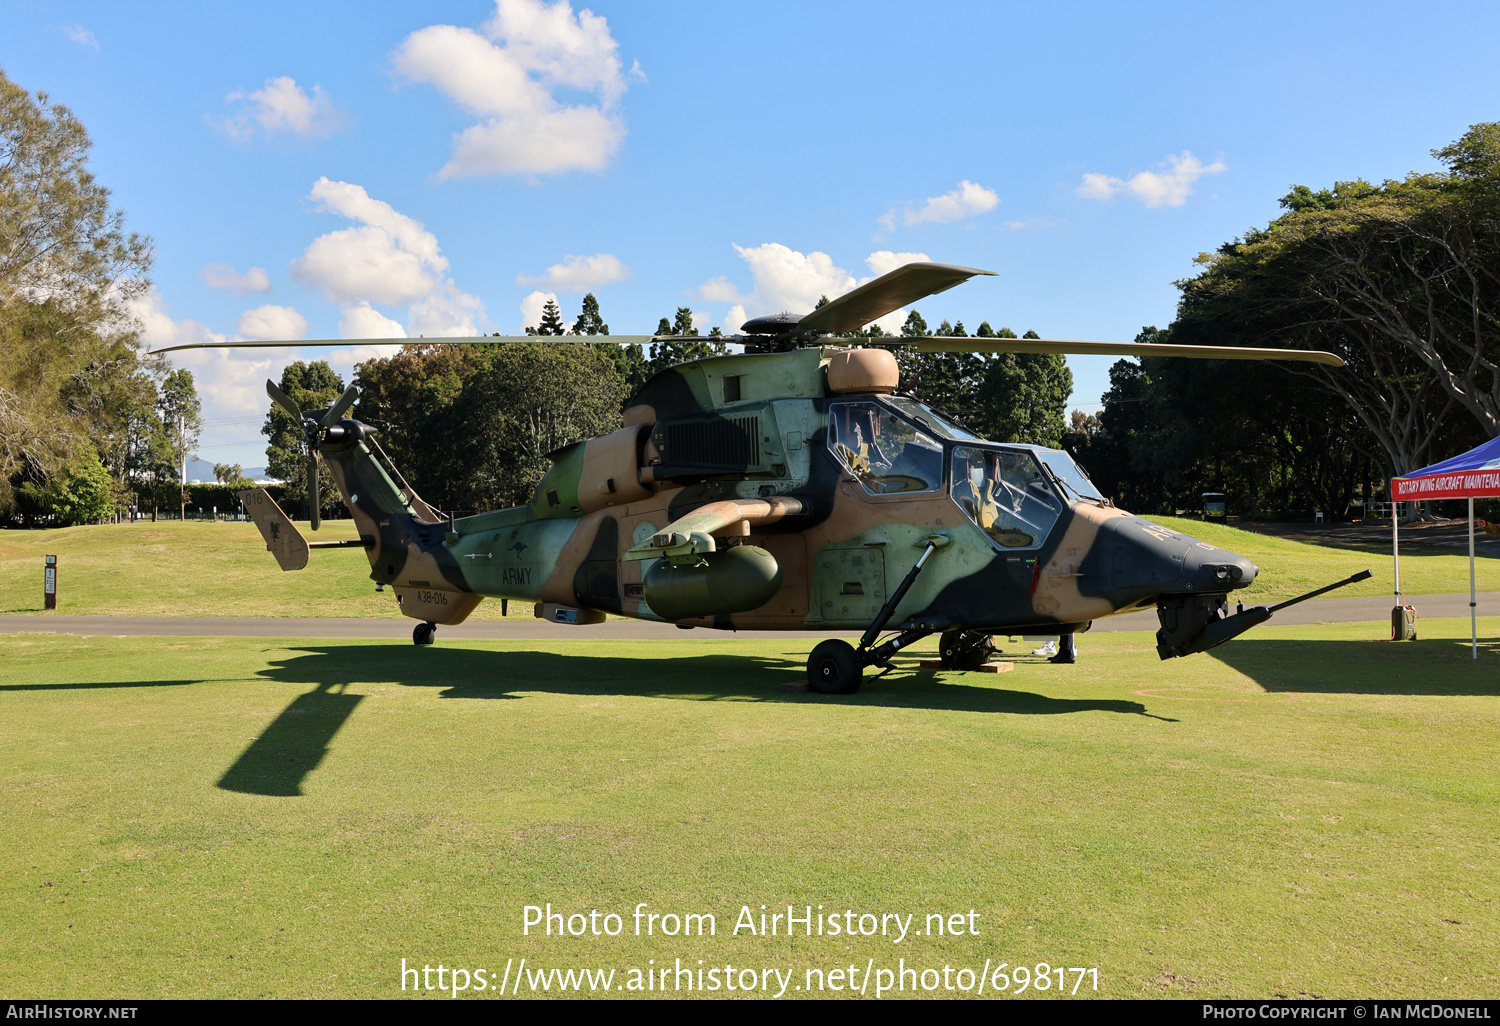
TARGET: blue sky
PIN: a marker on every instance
(343, 170)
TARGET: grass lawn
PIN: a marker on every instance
(193, 568)
(222, 569)
(1304, 812)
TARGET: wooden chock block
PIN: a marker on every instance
(937, 664)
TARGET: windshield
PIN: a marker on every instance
(931, 419)
(885, 452)
(1006, 495)
(1070, 474)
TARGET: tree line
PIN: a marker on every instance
(1401, 279)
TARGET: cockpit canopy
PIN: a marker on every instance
(1014, 493)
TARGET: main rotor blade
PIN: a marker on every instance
(314, 500)
(891, 291)
(950, 344)
(336, 411)
(281, 399)
(589, 340)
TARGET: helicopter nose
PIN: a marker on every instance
(1146, 559)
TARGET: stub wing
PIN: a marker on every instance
(283, 540)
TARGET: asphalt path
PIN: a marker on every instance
(1332, 610)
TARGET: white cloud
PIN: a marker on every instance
(1167, 188)
(968, 200)
(80, 35)
(789, 281)
(360, 320)
(719, 290)
(271, 322)
(884, 261)
(508, 76)
(389, 259)
(230, 382)
(702, 321)
(364, 263)
(580, 274)
(159, 329)
(352, 201)
(786, 280)
(1031, 222)
(531, 308)
(282, 106)
(448, 313)
(226, 279)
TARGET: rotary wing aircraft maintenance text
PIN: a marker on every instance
(791, 487)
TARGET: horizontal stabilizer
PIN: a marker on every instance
(283, 540)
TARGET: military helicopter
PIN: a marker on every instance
(790, 487)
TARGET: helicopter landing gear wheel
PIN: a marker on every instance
(965, 650)
(834, 668)
(423, 633)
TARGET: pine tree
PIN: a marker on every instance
(589, 320)
(552, 322)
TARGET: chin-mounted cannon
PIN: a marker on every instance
(1197, 623)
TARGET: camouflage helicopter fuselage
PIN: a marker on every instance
(793, 491)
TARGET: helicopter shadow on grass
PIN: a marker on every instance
(1429, 666)
(290, 748)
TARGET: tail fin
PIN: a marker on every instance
(283, 540)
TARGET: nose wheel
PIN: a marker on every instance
(423, 633)
(835, 668)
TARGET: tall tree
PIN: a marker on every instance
(521, 403)
(629, 362)
(666, 354)
(552, 321)
(1023, 397)
(311, 386)
(1401, 279)
(181, 415)
(470, 426)
(67, 270)
(589, 322)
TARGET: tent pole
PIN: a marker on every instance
(1473, 613)
(1396, 542)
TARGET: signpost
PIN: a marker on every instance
(49, 584)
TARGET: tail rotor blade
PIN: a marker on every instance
(281, 399)
(336, 411)
(314, 502)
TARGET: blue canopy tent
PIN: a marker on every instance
(1470, 475)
